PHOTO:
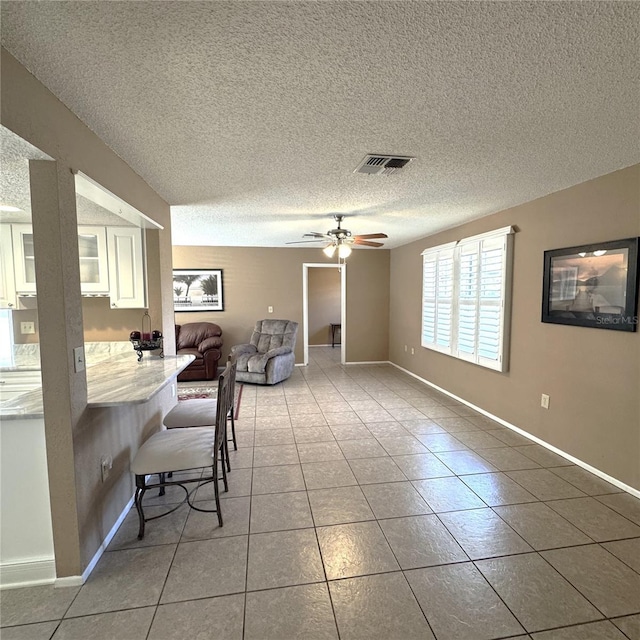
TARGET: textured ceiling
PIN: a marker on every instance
(250, 117)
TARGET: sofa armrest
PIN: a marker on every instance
(278, 351)
(239, 349)
(215, 342)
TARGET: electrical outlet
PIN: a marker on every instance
(413, 351)
(270, 309)
(544, 401)
(27, 327)
(106, 464)
(78, 359)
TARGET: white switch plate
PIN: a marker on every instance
(78, 359)
(27, 327)
(544, 401)
(270, 309)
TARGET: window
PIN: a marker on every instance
(465, 298)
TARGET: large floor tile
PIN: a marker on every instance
(274, 455)
(339, 505)
(235, 520)
(447, 494)
(294, 613)
(165, 530)
(625, 504)
(387, 430)
(395, 499)
(510, 437)
(460, 605)
(603, 630)
(242, 458)
(541, 527)
(132, 624)
(280, 511)
(238, 481)
(626, 550)
(402, 445)
(372, 470)
(380, 607)
(219, 618)
(319, 451)
(630, 626)
(37, 631)
(614, 588)
(124, 580)
(368, 448)
(482, 534)
(357, 549)
(277, 479)
(313, 434)
(465, 462)
(497, 489)
(283, 558)
(543, 456)
(508, 459)
(35, 604)
(422, 426)
(595, 519)
(535, 593)
(545, 485)
(587, 482)
(477, 440)
(272, 437)
(437, 442)
(421, 541)
(324, 475)
(207, 568)
(350, 432)
(459, 424)
(421, 466)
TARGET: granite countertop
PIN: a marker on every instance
(118, 381)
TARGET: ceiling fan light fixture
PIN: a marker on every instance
(329, 250)
(344, 251)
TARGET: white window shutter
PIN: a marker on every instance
(437, 298)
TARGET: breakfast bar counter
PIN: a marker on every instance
(117, 381)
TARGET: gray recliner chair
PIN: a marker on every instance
(269, 357)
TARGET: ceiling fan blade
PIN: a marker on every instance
(371, 236)
(315, 234)
(366, 243)
(305, 241)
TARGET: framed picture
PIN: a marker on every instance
(197, 290)
(594, 285)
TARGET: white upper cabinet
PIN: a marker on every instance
(126, 268)
(24, 258)
(8, 298)
(92, 248)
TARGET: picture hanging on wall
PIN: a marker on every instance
(197, 290)
(594, 285)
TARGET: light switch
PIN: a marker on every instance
(78, 359)
(270, 309)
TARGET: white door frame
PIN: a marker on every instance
(343, 307)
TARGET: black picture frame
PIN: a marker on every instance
(197, 290)
(592, 285)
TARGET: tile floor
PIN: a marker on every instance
(364, 504)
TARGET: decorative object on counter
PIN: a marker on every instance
(197, 290)
(203, 341)
(146, 340)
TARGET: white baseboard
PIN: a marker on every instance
(368, 362)
(32, 573)
(322, 345)
(560, 452)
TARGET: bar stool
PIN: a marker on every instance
(173, 450)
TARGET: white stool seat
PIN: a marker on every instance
(192, 413)
(175, 450)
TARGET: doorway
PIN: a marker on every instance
(342, 320)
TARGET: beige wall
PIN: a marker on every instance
(592, 375)
(324, 304)
(83, 510)
(255, 278)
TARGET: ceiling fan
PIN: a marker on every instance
(341, 239)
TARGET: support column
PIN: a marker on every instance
(55, 233)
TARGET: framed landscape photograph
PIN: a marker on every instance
(197, 290)
(594, 285)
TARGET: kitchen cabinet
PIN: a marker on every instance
(126, 268)
(112, 263)
(8, 298)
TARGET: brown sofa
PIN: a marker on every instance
(202, 340)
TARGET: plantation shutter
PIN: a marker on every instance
(466, 298)
(437, 298)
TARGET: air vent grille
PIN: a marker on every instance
(379, 165)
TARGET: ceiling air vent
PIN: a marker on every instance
(382, 165)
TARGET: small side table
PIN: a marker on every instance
(335, 327)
